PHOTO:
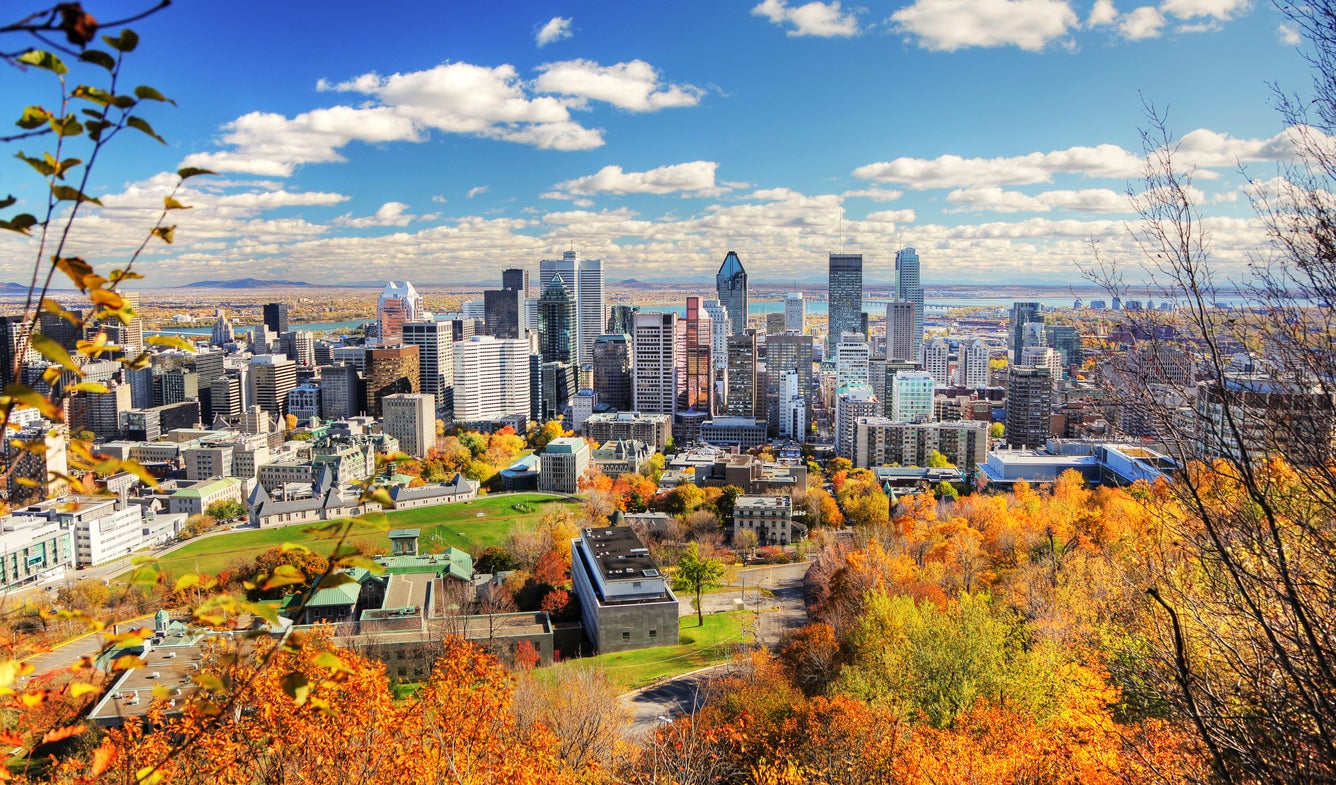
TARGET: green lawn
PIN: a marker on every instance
(465, 525)
(711, 644)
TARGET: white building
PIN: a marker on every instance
(565, 461)
(911, 396)
(792, 407)
(654, 376)
(795, 312)
(851, 360)
(719, 330)
(102, 530)
(937, 359)
(410, 418)
(851, 403)
(304, 402)
(972, 367)
(399, 303)
(491, 378)
(582, 408)
(1043, 357)
(585, 279)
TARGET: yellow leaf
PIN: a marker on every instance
(79, 689)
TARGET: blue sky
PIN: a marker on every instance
(441, 142)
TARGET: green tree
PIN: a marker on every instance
(226, 510)
(653, 469)
(725, 503)
(684, 499)
(696, 574)
(997, 430)
(938, 461)
(946, 490)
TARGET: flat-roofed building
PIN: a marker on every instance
(770, 517)
(625, 601)
(565, 461)
(653, 429)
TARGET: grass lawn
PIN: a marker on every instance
(698, 647)
(464, 525)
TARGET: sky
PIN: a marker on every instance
(441, 142)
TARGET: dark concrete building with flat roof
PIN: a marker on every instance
(625, 601)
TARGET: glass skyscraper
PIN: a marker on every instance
(909, 289)
(731, 284)
(846, 298)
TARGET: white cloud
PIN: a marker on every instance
(693, 177)
(439, 199)
(949, 25)
(1144, 22)
(949, 171)
(478, 190)
(994, 199)
(875, 194)
(1287, 35)
(558, 28)
(1222, 10)
(389, 214)
(634, 86)
(825, 20)
(1103, 13)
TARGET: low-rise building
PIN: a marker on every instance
(623, 456)
(103, 528)
(880, 442)
(742, 432)
(770, 517)
(198, 498)
(625, 601)
(565, 460)
(33, 550)
(652, 429)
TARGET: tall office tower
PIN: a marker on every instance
(911, 396)
(852, 402)
(719, 332)
(792, 407)
(1021, 315)
(225, 397)
(852, 358)
(592, 307)
(399, 303)
(475, 310)
(740, 355)
(558, 324)
(1033, 336)
(846, 298)
(516, 278)
(132, 333)
(876, 376)
(339, 396)
(11, 334)
(272, 376)
(412, 420)
(558, 385)
(491, 378)
(787, 352)
(655, 363)
(900, 331)
(298, 346)
(436, 358)
(566, 267)
(1067, 341)
(892, 369)
(536, 387)
(972, 366)
(389, 370)
(504, 312)
(57, 329)
(937, 360)
(1029, 406)
(1043, 357)
(223, 334)
(623, 319)
(612, 370)
(352, 355)
(909, 289)
(697, 369)
(731, 284)
(795, 312)
(276, 317)
(775, 324)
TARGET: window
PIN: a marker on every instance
(626, 635)
(653, 633)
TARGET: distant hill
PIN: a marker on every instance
(243, 283)
(13, 288)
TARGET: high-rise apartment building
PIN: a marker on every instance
(909, 289)
(740, 356)
(503, 313)
(937, 360)
(412, 420)
(655, 345)
(731, 285)
(276, 317)
(900, 331)
(911, 396)
(399, 302)
(436, 358)
(852, 359)
(272, 377)
(851, 403)
(491, 378)
(558, 326)
(846, 298)
(795, 312)
(972, 365)
(1043, 357)
(298, 346)
(612, 370)
(719, 331)
(792, 406)
(1021, 315)
(389, 370)
(1029, 406)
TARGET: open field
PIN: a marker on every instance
(698, 647)
(484, 521)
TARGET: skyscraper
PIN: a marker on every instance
(846, 298)
(389, 370)
(936, 360)
(273, 377)
(1029, 406)
(697, 372)
(584, 279)
(1021, 315)
(516, 278)
(900, 331)
(787, 352)
(276, 317)
(731, 284)
(795, 311)
(436, 358)
(612, 370)
(623, 319)
(503, 313)
(910, 290)
(972, 367)
(412, 420)
(557, 324)
(740, 400)
(491, 378)
(655, 346)
(399, 303)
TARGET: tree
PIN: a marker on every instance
(724, 505)
(226, 510)
(684, 499)
(997, 430)
(938, 461)
(695, 574)
(744, 541)
(290, 422)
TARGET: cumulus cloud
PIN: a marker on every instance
(694, 177)
(1287, 35)
(949, 171)
(825, 20)
(949, 25)
(1103, 13)
(389, 214)
(635, 86)
(1144, 22)
(558, 28)
(478, 190)
(1222, 10)
(994, 199)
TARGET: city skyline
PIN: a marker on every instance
(529, 133)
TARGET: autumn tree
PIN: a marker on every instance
(696, 574)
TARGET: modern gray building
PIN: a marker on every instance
(612, 370)
(846, 298)
(731, 284)
(558, 328)
(909, 289)
(740, 380)
(503, 313)
(625, 601)
(1029, 406)
(436, 358)
(1021, 315)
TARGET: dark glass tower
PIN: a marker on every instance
(731, 284)
(556, 323)
(846, 298)
(276, 317)
(909, 289)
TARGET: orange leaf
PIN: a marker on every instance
(102, 758)
(59, 734)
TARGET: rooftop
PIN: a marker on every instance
(762, 502)
(619, 553)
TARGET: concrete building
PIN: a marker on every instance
(655, 344)
(272, 377)
(742, 432)
(795, 312)
(33, 550)
(937, 361)
(972, 366)
(206, 461)
(785, 352)
(613, 362)
(879, 441)
(740, 397)
(304, 402)
(851, 403)
(1029, 406)
(102, 528)
(851, 360)
(340, 397)
(436, 358)
(792, 407)
(625, 601)
(653, 429)
(912, 396)
(410, 418)
(196, 499)
(770, 517)
(1043, 357)
(565, 461)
